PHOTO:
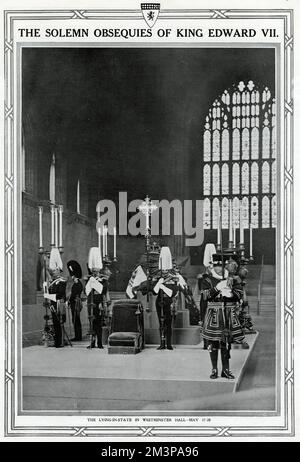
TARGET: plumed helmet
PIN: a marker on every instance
(55, 261)
(209, 251)
(74, 269)
(95, 259)
(165, 259)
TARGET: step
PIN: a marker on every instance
(180, 336)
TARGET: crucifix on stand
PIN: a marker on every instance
(147, 207)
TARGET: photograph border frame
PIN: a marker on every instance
(12, 257)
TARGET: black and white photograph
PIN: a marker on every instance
(149, 222)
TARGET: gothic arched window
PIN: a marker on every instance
(216, 180)
(225, 179)
(254, 178)
(236, 212)
(274, 212)
(254, 212)
(206, 180)
(236, 179)
(266, 177)
(239, 142)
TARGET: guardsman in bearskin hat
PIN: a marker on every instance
(56, 294)
(221, 326)
(166, 288)
(75, 303)
(96, 290)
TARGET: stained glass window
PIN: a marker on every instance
(206, 211)
(274, 212)
(216, 145)
(236, 179)
(216, 180)
(254, 212)
(266, 143)
(225, 144)
(216, 211)
(239, 127)
(254, 143)
(236, 212)
(225, 179)
(245, 212)
(254, 178)
(274, 177)
(245, 178)
(206, 180)
(207, 147)
(245, 143)
(266, 177)
(236, 144)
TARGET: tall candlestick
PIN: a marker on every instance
(55, 227)
(234, 236)
(250, 241)
(52, 210)
(115, 242)
(60, 226)
(41, 226)
(241, 225)
(230, 223)
(99, 236)
(78, 196)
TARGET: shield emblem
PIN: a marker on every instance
(150, 12)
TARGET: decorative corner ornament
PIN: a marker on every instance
(150, 12)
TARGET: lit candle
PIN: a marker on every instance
(230, 222)
(115, 242)
(60, 211)
(41, 225)
(78, 196)
(241, 225)
(250, 240)
(234, 236)
(55, 227)
(52, 210)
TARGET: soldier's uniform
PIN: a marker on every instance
(220, 297)
(75, 297)
(165, 311)
(57, 288)
(96, 311)
(166, 288)
(96, 290)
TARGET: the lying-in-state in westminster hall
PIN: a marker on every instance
(148, 229)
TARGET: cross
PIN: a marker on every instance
(147, 207)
